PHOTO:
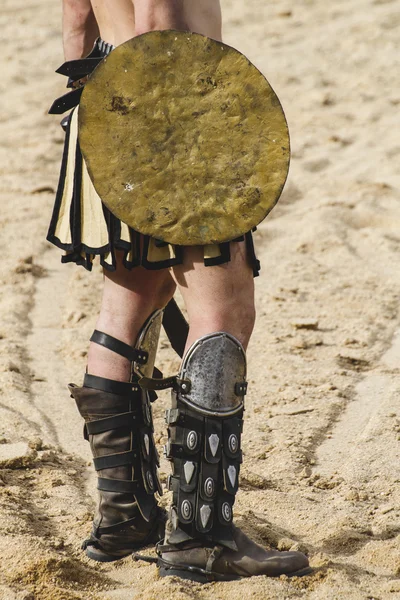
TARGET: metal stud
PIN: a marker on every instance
(209, 487)
(205, 514)
(186, 510)
(233, 443)
(147, 443)
(213, 440)
(232, 475)
(227, 512)
(188, 469)
(191, 440)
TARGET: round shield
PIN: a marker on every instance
(184, 139)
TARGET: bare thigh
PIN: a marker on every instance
(218, 298)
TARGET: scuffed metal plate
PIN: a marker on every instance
(184, 138)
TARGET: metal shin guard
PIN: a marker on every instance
(119, 427)
(204, 431)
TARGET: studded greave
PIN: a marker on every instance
(204, 431)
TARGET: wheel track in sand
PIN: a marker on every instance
(48, 387)
(352, 447)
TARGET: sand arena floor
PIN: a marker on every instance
(321, 443)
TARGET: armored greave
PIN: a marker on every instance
(204, 428)
(204, 438)
(118, 425)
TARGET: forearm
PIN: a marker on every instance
(80, 28)
(152, 15)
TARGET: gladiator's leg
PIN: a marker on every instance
(204, 433)
(129, 297)
(219, 298)
(117, 414)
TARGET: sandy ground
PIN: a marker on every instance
(322, 430)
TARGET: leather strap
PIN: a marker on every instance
(174, 416)
(109, 423)
(176, 451)
(118, 485)
(111, 343)
(179, 385)
(157, 384)
(66, 102)
(114, 460)
(78, 68)
(109, 385)
(118, 526)
(176, 327)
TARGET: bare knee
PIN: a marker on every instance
(219, 298)
(236, 316)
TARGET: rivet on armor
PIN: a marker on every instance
(147, 443)
(233, 443)
(232, 475)
(205, 513)
(188, 469)
(213, 440)
(186, 509)
(209, 487)
(150, 480)
(227, 512)
(191, 440)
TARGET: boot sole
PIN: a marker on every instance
(100, 556)
(201, 576)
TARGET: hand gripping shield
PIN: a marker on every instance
(184, 139)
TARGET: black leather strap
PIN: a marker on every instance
(176, 327)
(66, 102)
(109, 385)
(157, 374)
(111, 343)
(79, 68)
(174, 416)
(114, 460)
(117, 526)
(177, 451)
(109, 423)
(157, 384)
(118, 485)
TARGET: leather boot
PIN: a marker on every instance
(204, 430)
(119, 427)
(127, 516)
